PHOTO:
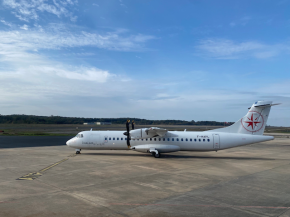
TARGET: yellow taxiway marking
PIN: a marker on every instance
(32, 176)
(53, 165)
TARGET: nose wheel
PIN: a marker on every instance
(78, 151)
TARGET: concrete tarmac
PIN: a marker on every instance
(38, 180)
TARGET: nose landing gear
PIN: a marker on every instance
(78, 151)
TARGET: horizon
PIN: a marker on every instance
(195, 60)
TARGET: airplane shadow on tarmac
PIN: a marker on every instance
(179, 156)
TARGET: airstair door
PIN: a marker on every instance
(216, 141)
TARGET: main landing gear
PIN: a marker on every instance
(155, 153)
(78, 151)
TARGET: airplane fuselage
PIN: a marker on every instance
(247, 130)
(170, 142)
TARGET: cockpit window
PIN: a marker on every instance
(79, 135)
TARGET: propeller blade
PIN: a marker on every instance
(128, 133)
(128, 142)
(127, 126)
(133, 125)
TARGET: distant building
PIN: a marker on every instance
(103, 123)
(98, 123)
(92, 123)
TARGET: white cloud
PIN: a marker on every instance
(24, 27)
(227, 49)
(6, 23)
(27, 73)
(82, 73)
(265, 54)
(60, 37)
(29, 9)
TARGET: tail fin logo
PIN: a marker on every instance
(253, 121)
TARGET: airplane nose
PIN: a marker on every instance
(68, 142)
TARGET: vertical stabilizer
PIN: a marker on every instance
(254, 122)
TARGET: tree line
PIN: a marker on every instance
(33, 119)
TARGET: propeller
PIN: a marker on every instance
(133, 125)
(127, 133)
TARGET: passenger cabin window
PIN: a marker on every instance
(154, 139)
(109, 138)
(191, 140)
(150, 139)
(181, 140)
(163, 139)
(146, 139)
(159, 139)
(121, 138)
(204, 140)
(114, 138)
(106, 138)
(208, 140)
(186, 140)
(177, 139)
(199, 140)
(195, 140)
(172, 139)
(125, 138)
(168, 139)
(118, 138)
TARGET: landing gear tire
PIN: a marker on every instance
(157, 155)
(78, 152)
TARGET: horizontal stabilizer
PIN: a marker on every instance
(265, 105)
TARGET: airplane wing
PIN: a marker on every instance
(147, 132)
(155, 131)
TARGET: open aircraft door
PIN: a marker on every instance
(216, 141)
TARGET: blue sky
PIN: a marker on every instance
(189, 60)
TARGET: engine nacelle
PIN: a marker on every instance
(140, 134)
(161, 148)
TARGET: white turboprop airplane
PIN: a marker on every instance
(247, 130)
